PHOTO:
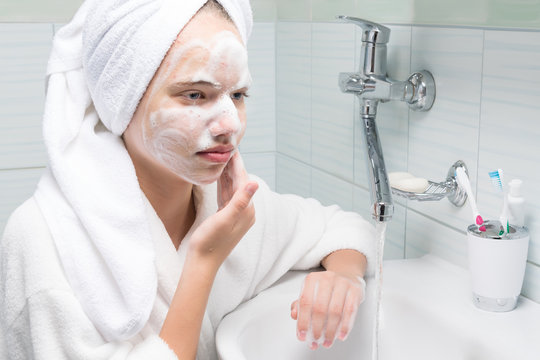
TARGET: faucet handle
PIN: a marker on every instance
(372, 32)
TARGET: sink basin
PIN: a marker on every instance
(262, 328)
(427, 313)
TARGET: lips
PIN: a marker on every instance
(217, 154)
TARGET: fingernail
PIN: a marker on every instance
(314, 345)
(252, 188)
(342, 335)
(327, 343)
(302, 335)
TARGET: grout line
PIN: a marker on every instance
(480, 116)
(261, 152)
(276, 102)
(440, 26)
(437, 220)
(24, 168)
(311, 106)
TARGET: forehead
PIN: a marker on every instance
(208, 43)
(220, 59)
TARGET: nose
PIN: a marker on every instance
(225, 122)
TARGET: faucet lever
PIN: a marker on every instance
(372, 32)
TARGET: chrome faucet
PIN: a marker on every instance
(372, 85)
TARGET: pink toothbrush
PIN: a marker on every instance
(463, 181)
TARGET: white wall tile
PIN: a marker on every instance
(426, 236)
(263, 165)
(261, 104)
(531, 283)
(510, 128)
(362, 202)
(292, 176)
(29, 11)
(333, 51)
(15, 187)
(25, 50)
(330, 190)
(449, 131)
(293, 90)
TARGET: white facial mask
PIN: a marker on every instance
(175, 133)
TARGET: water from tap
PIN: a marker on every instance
(381, 234)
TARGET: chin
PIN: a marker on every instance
(204, 178)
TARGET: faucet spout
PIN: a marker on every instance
(379, 186)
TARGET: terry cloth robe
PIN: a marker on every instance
(42, 319)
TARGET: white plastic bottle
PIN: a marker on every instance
(516, 203)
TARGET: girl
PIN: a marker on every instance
(146, 230)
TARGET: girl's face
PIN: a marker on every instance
(192, 116)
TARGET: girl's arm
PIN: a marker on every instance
(209, 246)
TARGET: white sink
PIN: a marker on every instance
(262, 329)
(427, 314)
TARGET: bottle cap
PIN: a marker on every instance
(515, 187)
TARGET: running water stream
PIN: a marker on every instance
(381, 233)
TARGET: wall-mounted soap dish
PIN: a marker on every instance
(439, 190)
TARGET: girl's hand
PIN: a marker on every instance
(233, 177)
(215, 238)
(327, 307)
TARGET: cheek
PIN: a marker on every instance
(170, 130)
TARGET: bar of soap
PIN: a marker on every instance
(395, 177)
(414, 184)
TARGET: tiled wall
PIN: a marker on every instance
(486, 113)
(522, 14)
(493, 13)
(24, 50)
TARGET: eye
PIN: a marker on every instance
(239, 95)
(193, 95)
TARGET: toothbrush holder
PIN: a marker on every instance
(497, 265)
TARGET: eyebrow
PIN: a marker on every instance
(183, 84)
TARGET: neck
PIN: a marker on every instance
(170, 196)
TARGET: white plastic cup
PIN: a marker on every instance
(497, 265)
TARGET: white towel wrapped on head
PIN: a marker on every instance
(100, 66)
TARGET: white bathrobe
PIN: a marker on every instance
(41, 318)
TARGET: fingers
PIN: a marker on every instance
(216, 236)
(349, 313)
(327, 308)
(238, 170)
(242, 199)
(305, 303)
(233, 177)
(335, 312)
(319, 311)
(294, 310)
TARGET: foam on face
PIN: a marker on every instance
(173, 132)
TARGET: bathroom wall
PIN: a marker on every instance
(303, 136)
(486, 113)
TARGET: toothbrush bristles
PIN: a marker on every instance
(495, 177)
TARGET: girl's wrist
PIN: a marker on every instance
(202, 264)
